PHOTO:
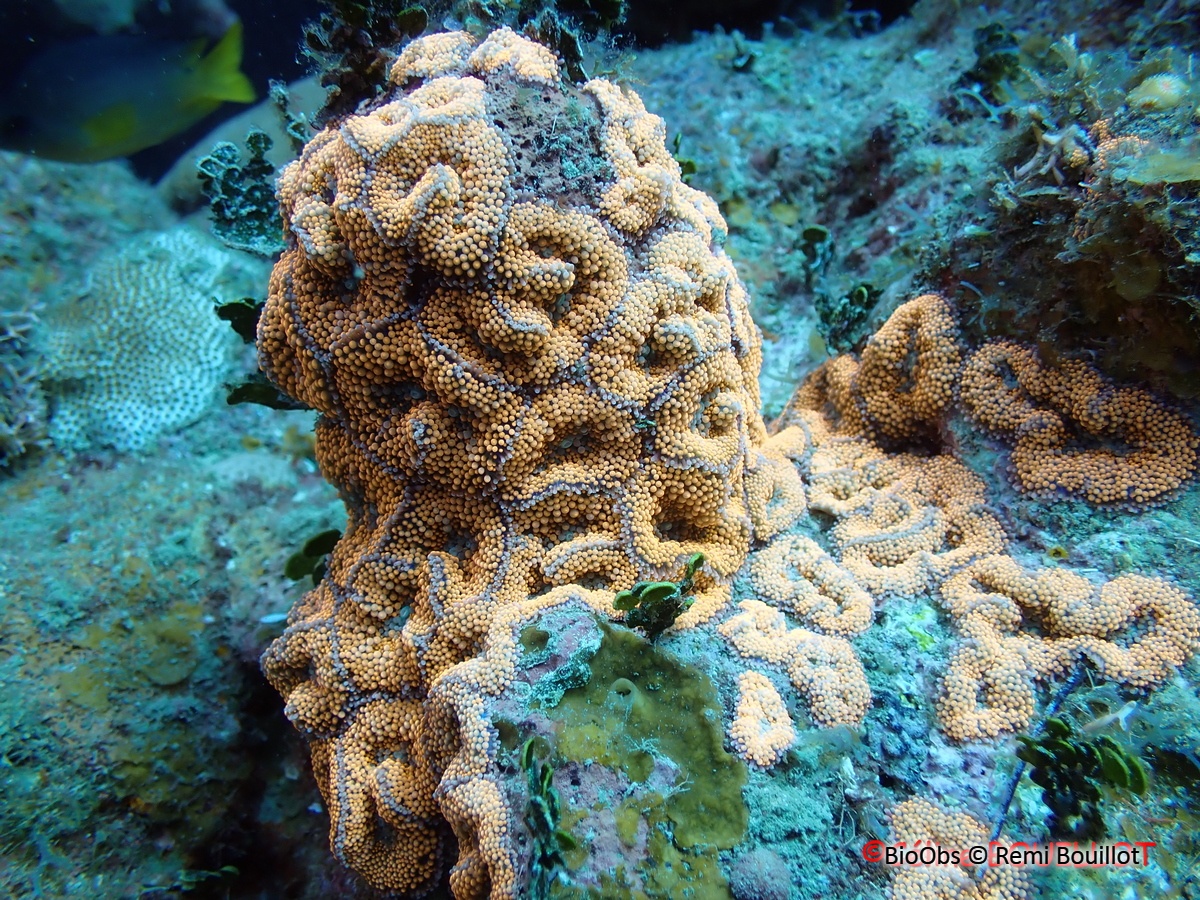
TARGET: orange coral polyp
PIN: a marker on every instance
(900, 399)
(1044, 409)
(484, 356)
(762, 730)
(917, 822)
(907, 524)
(989, 683)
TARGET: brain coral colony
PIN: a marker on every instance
(537, 379)
(537, 382)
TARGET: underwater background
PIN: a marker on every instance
(927, 570)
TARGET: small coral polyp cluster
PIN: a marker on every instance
(537, 379)
(121, 372)
(1008, 390)
(909, 524)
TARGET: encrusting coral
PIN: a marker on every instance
(1046, 409)
(139, 352)
(796, 575)
(823, 668)
(917, 823)
(1000, 661)
(537, 379)
(762, 729)
(907, 524)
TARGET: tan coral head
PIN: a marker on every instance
(537, 378)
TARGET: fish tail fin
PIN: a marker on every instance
(218, 74)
